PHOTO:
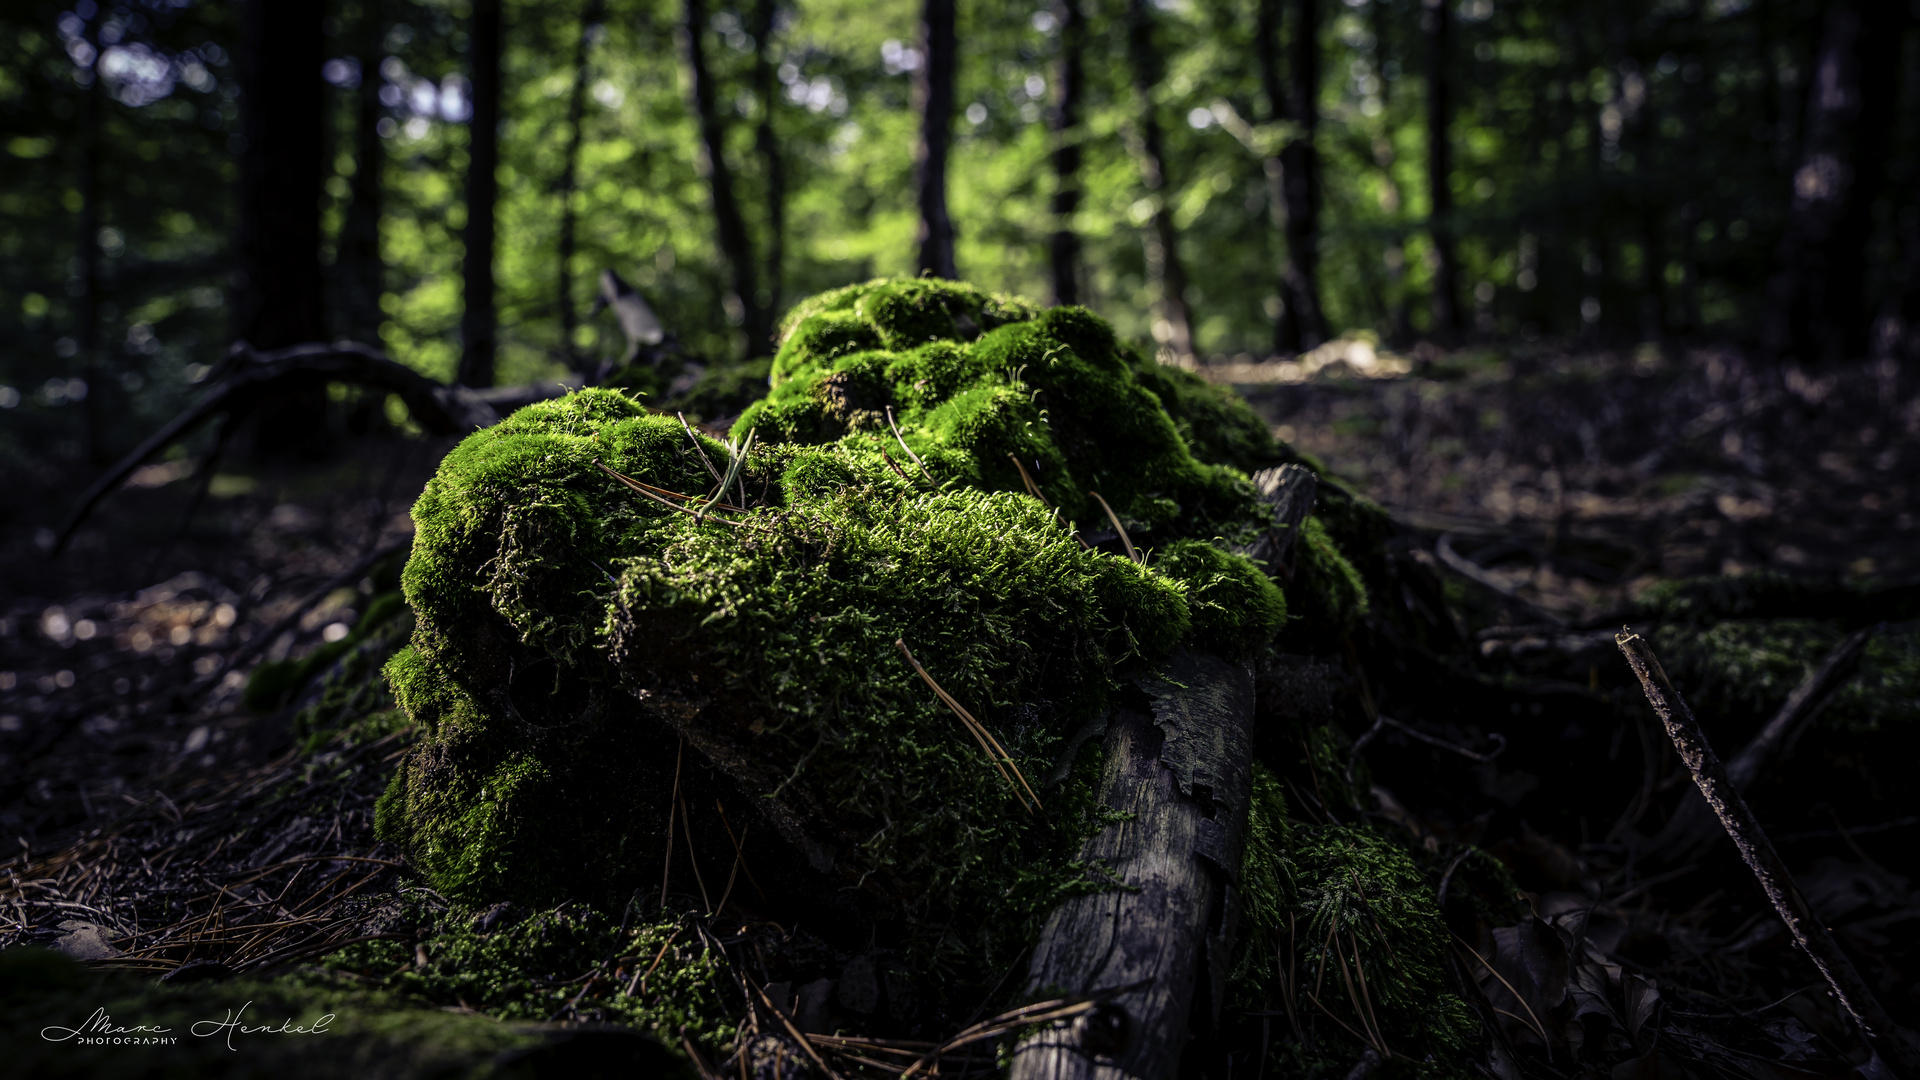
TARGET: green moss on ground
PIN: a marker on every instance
(569, 628)
(1344, 937)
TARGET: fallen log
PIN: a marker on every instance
(1179, 759)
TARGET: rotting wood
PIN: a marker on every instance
(1178, 753)
(1802, 922)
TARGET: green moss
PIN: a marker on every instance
(1352, 903)
(1234, 606)
(277, 682)
(1327, 592)
(571, 631)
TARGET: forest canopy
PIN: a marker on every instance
(1222, 178)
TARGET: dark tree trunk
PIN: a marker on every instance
(590, 19)
(1437, 21)
(478, 320)
(86, 313)
(1293, 181)
(362, 272)
(767, 145)
(735, 247)
(1069, 87)
(1817, 310)
(1394, 256)
(933, 93)
(1173, 327)
(282, 119)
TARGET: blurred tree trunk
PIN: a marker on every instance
(1166, 276)
(86, 316)
(768, 147)
(1437, 22)
(1293, 181)
(1394, 257)
(1817, 310)
(478, 320)
(735, 247)
(1069, 87)
(362, 273)
(933, 94)
(282, 121)
(590, 20)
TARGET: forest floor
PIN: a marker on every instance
(1549, 486)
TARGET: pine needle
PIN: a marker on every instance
(990, 745)
(1125, 540)
(1033, 489)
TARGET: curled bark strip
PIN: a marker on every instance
(1737, 817)
(1691, 831)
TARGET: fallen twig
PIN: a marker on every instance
(1801, 921)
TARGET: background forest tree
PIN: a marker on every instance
(1229, 177)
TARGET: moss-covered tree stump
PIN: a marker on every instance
(631, 635)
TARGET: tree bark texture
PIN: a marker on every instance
(478, 319)
(282, 102)
(86, 317)
(933, 94)
(1179, 760)
(1069, 88)
(1437, 21)
(1817, 309)
(362, 273)
(735, 246)
(1293, 176)
(1166, 275)
(590, 20)
(767, 145)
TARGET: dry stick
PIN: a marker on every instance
(687, 829)
(1125, 540)
(673, 804)
(738, 858)
(1802, 922)
(739, 854)
(1033, 489)
(898, 471)
(994, 751)
(903, 442)
(798, 1036)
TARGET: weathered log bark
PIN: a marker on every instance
(1179, 760)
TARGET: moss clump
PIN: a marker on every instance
(1354, 911)
(976, 382)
